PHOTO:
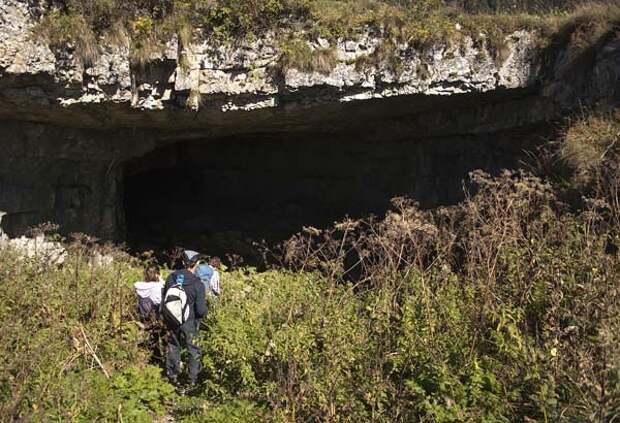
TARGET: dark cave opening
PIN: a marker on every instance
(219, 196)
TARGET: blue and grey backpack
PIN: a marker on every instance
(205, 273)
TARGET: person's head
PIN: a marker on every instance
(175, 257)
(151, 273)
(215, 262)
(191, 259)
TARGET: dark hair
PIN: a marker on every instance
(215, 262)
(191, 263)
(176, 258)
(151, 273)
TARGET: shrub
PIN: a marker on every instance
(71, 346)
(488, 310)
(502, 308)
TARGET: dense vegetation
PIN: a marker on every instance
(503, 308)
(146, 25)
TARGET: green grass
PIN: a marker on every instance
(146, 25)
(503, 308)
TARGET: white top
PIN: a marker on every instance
(150, 290)
(214, 282)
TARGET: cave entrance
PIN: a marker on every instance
(221, 195)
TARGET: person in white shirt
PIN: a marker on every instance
(149, 292)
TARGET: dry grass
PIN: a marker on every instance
(582, 30)
(491, 30)
(194, 100)
(591, 147)
(385, 54)
(421, 23)
(300, 55)
(60, 30)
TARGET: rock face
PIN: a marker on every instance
(80, 143)
(37, 247)
(112, 93)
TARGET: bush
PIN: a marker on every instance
(505, 307)
(71, 346)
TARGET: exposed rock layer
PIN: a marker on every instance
(55, 86)
(72, 135)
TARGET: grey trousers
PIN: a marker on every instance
(183, 337)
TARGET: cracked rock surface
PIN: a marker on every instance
(217, 79)
(310, 145)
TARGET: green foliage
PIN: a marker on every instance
(226, 19)
(142, 390)
(278, 338)
(147, 25)
(136, 394)
(192, 409)
(51, 318)
(434, 344)
(503, 308)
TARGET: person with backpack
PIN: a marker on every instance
(183, 306)
(210, 276)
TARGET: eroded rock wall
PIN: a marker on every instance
(57, 174)
(54, 85)
(68, 132)
(77, 176)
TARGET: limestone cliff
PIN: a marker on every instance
(55, 86)
(72, 135)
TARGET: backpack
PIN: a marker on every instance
(174, 305)
(205, 273)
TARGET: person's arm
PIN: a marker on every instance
(200, 309)
(215, 283)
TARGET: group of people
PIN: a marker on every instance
(180, 301)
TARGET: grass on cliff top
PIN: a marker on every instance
(146, 25)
